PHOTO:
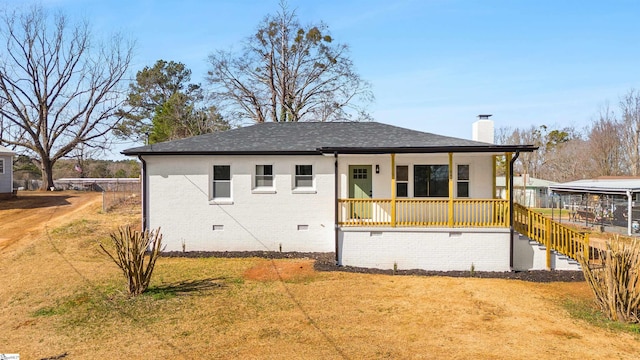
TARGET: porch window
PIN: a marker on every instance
(402, 181)
(304, 176)
(431, 180)
(221, 181)
(463, 181)
(264, 176)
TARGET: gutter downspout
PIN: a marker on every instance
(335, 212)
(144, 193)
(511, 229)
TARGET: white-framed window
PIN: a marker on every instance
(303, 177)
(264, 176)
(221, 187)
(1, 166)
(402, 181)
(463, 181)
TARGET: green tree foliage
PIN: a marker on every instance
(165, 106)
(289, 72)
(96, 168)
(58, 90)
(25, 164)
(120, 173)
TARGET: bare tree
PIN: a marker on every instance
(528, 162)
(572, 161)
(57, 90)
(548, 161)
(289, 72)
(630, 113)
(605, 147)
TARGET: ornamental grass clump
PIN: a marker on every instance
(131, 248)
(616, 281)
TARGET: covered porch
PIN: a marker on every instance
(464, 198)
(431, 208)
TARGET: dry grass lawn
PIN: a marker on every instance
(61, 297)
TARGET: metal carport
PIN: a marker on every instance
(603, 186)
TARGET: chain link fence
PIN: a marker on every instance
(26, 184)
(128, 193)
(115, 191)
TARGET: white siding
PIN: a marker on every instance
(179, 202)
(6, 180)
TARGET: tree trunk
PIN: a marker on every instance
(47, 173)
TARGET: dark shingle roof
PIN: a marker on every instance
(319, 137)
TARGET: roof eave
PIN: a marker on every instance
(592, 190)
(137, 153)
(429, 149)
(351, 150)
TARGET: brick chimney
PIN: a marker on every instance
(482, 129)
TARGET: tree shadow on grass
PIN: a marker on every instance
(34, 202)
(186, 287)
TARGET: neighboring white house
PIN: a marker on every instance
(6, 172)
(377, 195)
(527, 191)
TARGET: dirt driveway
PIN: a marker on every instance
(31, 210)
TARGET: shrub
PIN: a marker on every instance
(129, 253)
(616, 281)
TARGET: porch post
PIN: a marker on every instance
(393, 190)
(547, 239)
(450, 190)
(510, 211)
(507, 174)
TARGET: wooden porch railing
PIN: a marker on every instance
(412, 212)
(364, 212)
(475, 213)
(554, 236)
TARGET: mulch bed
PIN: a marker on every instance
(327, 262)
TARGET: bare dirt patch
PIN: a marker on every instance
(266, 270)
(31, 210)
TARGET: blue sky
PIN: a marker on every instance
(434, 65)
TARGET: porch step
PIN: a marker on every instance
(540, 246)
(567, 258)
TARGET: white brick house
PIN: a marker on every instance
(375, 194)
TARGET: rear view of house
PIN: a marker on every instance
(377, 195)
(6, 172)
